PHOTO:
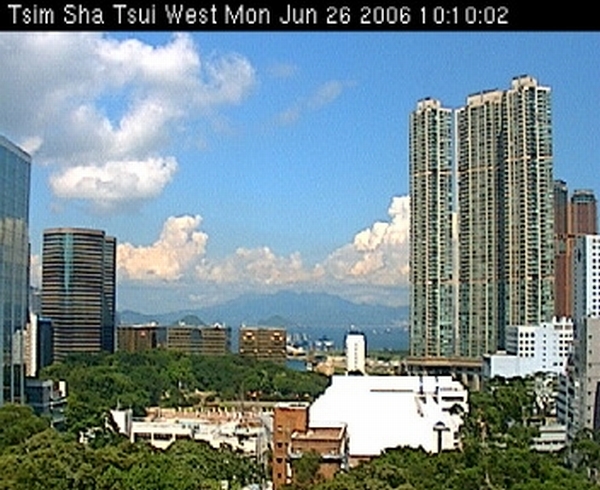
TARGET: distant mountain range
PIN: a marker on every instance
(284, 308)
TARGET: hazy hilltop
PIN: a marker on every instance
(285, 308)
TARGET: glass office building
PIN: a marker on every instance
(15, 172)
(78, 289)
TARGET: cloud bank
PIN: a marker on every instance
(376, 259)
(168, 259)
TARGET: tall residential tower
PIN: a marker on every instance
(506, 213)
(432, 299)
(504, 186)
(15, 171)
(78, 289)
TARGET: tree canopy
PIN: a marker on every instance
(495, 452)
(100, 382)
(34, 456)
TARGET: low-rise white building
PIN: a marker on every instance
(248, 433)
(532, 349)
(552, 438)
(384, 412)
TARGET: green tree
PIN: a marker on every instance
(17, 424)
(306, 470)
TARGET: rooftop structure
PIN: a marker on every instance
(246, 432)
(388, 411)
(295, 435)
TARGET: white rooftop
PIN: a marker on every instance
(389, 411)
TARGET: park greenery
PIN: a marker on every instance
(495, 452)
(98, 383)
(34, 456)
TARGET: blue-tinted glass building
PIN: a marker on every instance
(78, 290)
(15, 172)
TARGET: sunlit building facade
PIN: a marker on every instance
(584, 212)
(263, 343)
(356, 352)
(573, 218)
(15, 171)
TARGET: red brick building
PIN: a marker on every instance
(292, 437)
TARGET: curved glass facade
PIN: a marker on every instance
(15, 172)
(78, 289)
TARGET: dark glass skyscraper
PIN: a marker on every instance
(78, 289)
(15, 171)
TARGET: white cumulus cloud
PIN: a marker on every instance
(373, 266)
(180, 246)
(80, 100)
(114, 183)
(377, 255)
(255, 266)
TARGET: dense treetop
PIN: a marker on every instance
(98, 383)
(33, 456)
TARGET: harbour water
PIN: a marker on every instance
(333, 338)
(390, 338)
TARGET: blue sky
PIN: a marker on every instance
(227, 163)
